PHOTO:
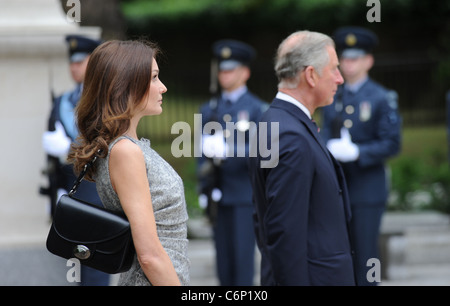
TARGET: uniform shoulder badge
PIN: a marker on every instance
(392, 99)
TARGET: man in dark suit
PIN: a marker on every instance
(362, 130)
(302, 208)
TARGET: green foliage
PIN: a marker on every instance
(421, 174)
(248, 15)
(176, 8)
(171, 9)
(444, 70)
(400, 19)
(418, 186)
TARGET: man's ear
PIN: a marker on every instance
(310, 76)
(246, 73)
(369, 61)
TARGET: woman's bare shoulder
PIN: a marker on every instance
(125, 149)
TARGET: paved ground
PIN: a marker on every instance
(26, 262)
(33, 265)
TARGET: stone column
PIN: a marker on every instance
(33, 62)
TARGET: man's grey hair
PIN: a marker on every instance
(298, 51)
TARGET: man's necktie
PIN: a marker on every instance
(318, 128)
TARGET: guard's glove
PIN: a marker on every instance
(343, 149)
(56, 143)
(216, 196)
(60, 192)
(214, 146)
(203, 201)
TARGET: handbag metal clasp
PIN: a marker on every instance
(81, 252)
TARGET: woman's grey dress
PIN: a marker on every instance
(169, 206)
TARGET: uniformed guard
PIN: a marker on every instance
(61, 125)
(362, 129)
(62, 131)
(225, 188)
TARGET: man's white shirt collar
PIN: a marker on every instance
(282, 96)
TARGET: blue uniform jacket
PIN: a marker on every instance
(234, 180)
(302, 208)
(371, 115)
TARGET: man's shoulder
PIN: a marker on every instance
(253, 98)
(287, 116)
(376, 87)
(206, 106)
(382, 94)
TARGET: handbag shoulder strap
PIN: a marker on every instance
(80, 177)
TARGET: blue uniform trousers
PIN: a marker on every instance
(235, 245)
(365, 227)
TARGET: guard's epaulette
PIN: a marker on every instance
(392, 99)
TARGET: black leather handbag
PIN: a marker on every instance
(99, 238)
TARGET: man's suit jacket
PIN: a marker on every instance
(302, 208)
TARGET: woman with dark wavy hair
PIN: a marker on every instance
(122, 85)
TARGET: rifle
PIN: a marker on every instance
(53, 166)
(209, 173)
(337, 122)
